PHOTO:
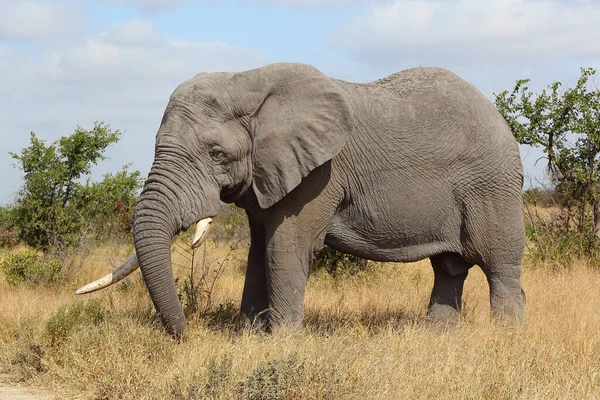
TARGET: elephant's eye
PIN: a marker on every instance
(218, 154)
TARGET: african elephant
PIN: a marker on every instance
(418, 164)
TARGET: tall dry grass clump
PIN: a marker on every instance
(365, 338)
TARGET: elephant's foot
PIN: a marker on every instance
(268, 321)
(285, 320)
(443, 316)
(508, 309)
(285, 327)
(507, 298)
(256, 321)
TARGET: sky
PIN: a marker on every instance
(66, 63)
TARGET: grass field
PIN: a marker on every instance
(365, 338)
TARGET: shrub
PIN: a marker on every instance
(27, 267)
(554, 240)
(66, 318)
(27, 350)
(196, 288)
(337, 263)
(8, 235)
(564, 123)
(273, 380)
(58, 203)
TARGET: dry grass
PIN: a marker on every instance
(364, 339)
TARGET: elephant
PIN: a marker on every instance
(415, 165)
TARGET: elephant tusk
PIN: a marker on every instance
(202, 228)
(115, 276)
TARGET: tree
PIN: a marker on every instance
(53, 206)
(565, 124)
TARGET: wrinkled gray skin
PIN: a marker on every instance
(418, 164)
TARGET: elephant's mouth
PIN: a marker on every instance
(202, 229)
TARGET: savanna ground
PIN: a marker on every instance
(365, 338)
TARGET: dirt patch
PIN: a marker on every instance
(9, 392)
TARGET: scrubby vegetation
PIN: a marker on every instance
(58, 205)
(565, 124)
(26, 266)
(365, 334)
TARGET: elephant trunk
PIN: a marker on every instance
(153, 231)
(172, 201)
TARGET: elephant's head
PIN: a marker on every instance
(222, 135)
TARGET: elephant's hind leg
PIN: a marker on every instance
(507, 298)
(497, 241)
(450, 271)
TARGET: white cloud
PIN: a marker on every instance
(133, 33)
(307, 2)
(474, 31)
(123, 76)
(32, 19)
(128, 56)
(136, 52)
(148, 5)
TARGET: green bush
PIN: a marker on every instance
(563, 123)
(58, 204)
(66, 318)
(27, 267)
(8, 235)
(274, 380)
(337, 263)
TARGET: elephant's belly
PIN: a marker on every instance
(416, 232)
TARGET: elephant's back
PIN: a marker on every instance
(416, 80)
(428, 122)
(425, 106)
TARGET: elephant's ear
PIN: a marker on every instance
(302, 124)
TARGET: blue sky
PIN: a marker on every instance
(72, 62)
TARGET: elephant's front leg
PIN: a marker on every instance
(295, 231)
(288, 267)
(290, 252)
(255, 301)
